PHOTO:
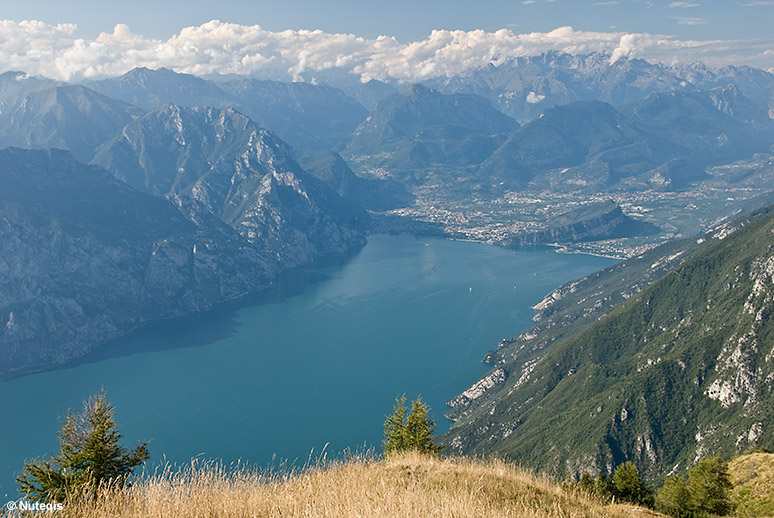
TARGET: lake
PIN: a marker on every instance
(317, 361)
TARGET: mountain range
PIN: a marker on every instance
(304, 115)
(85, 258)
(157, 194)
(417, 129)
(239, 172)
(65, 117)
(663, 141)
(524, 87)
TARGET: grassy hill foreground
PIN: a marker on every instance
(753, 478)
(407, 485)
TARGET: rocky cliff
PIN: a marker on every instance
(85, 258)
(590, 222)
(242, 174)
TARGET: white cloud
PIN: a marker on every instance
(227, 48)
(689, 20)
(533, 98)
(683, 5)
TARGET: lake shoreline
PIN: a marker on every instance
(320, 360)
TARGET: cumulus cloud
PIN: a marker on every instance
(533, 98)
(226, 48)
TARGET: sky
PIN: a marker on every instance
(397, 40)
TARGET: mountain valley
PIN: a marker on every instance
(154, 194)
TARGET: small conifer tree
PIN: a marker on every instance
(706, 491)
(709, 487)
(629, 486)
(405, 431)
(674, 498)
(89, 456)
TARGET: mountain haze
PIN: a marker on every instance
(305, 115)
(664, 141)
(85, 258)
(418, 128)
(68, 117)
(524, 87)
(15, 86)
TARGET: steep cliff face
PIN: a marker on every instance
(84, 258)
(375, 194)
(242, 174)
(682, 370)
(603, 220)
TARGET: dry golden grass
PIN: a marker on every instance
(753, 479)
(407, 486)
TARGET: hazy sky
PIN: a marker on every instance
(410, 20)
(735, 31)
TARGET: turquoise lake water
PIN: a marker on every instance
(318, 361)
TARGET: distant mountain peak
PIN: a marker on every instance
(243, 174)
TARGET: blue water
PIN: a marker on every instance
(318, 361)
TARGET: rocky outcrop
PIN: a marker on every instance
(591, 222)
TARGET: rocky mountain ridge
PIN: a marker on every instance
(305, 115)
(240, 173)
(664, 141)
(524, 87)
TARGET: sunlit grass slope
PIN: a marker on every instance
(753, 479)
(402, 486)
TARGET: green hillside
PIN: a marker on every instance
(753, 479)
(679, 371)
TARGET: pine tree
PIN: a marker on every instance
(629, 487)
(409, 432)
(89, 456)
(395, 428)
(705, 492)
(709, 486)
(674, 498)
